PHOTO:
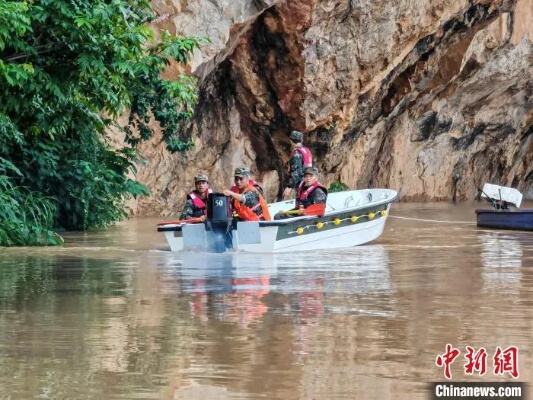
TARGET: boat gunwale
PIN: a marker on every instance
(329, 214)
(287, 221)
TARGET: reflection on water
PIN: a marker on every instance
(501, 257)
(234, 286)
(229, 287)
(501, 250)
(112, 315)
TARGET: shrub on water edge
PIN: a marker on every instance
(26, 217)
(337, 186)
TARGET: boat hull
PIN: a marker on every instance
(503, 219)
(352, 218)
(345, 236)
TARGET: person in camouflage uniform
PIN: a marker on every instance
(300, 158)
(311, 197)
(252, 181)
(247, 201)
(195, 205)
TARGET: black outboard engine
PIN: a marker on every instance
(219, 222)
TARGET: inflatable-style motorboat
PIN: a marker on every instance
(505, 212)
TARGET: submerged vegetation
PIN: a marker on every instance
(68, 70)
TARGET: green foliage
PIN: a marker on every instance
(337, 186)
(68, 69)
(26, 217)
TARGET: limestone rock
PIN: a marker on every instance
(432, 98)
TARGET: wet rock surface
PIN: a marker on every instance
(430, 98)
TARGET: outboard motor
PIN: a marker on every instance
(219, 222)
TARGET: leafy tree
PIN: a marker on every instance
(68, 70)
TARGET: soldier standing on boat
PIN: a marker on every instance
(195, 205)
(300, 158)
(311, 197)
(246, 200)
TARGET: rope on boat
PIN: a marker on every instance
(434, 220)
(338, 221)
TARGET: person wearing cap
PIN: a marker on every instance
(311, 197)
(247, 201)
(300, 158)
(195, 205)
(252, 182)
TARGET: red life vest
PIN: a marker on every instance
(307, 157)
(197, 200)
(302, 195)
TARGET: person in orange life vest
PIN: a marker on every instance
(195, 205)
(300, 159)
(256, 185)
(252, 181)
(311, 197)
(246, 200)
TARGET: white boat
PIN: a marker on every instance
(352, 218)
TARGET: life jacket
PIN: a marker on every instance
(197, 200)
(249, 213)
(302, 195)
(256, 185)
(307, 157)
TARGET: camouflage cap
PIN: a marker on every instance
(296, 135)
(242, 172)
(201, 178)
(311, 171)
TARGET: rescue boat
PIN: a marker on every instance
(505, 213)
(351, 218)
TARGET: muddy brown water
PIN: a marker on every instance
(114, 315)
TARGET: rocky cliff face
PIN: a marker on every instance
(432, 98)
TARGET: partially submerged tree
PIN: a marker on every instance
(68, 69)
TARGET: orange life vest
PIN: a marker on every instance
(248, 213)
(256, 185)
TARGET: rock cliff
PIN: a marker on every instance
(432, 98)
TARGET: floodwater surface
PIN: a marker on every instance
(114, 315)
